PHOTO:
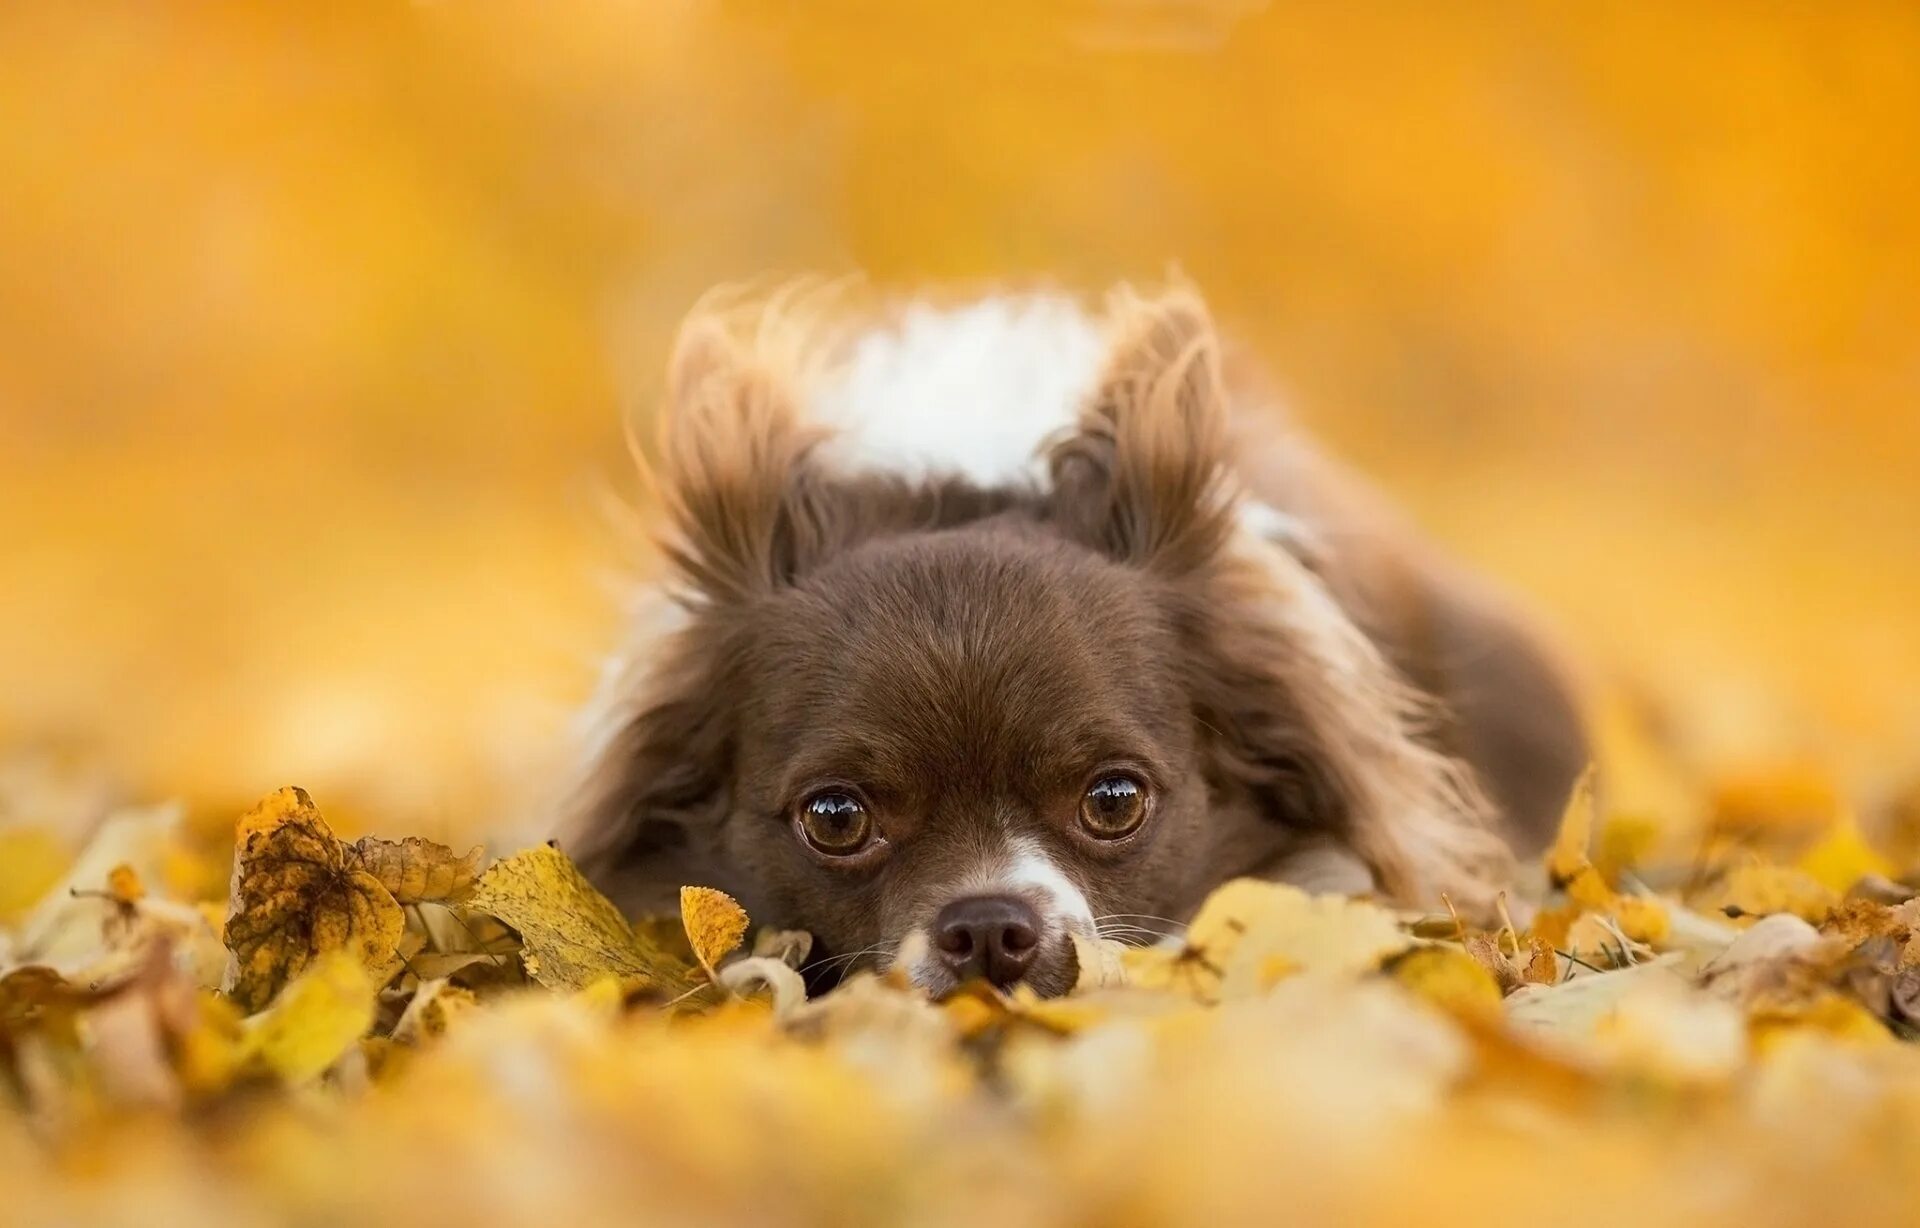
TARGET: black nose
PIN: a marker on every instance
(993, 936)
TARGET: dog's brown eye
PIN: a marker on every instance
(836, 824)
(1114, 807)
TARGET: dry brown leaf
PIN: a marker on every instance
(1097, 963)
(299, 893)
(416, 871)
(571, 935)
(1509, 971)
(715, 925)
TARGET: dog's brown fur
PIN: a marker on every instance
(965, 658)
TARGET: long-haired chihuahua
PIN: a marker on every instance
(995, 624)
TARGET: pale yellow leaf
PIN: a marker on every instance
(318, 1016)
(571, 935)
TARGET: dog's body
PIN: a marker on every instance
(1003, 627)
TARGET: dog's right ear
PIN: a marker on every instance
(1144, 477)
(733, 473)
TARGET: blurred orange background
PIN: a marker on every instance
(318, 323)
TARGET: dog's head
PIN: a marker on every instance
(928, 721)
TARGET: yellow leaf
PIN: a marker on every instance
(1759, 888)
(1642, 918)
(1828, 1014)
(715, 925)
(1625, 841)
(124, 885)
(1250, 933)
(1569, 853)
(1449, 978)
(299, 893)
(1842, 858)
(207, 1051)
(318, 1016)
(31, 862)
(571, 935)
(1776, 798)
(416, 871)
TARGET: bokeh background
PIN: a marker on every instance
(318, 324)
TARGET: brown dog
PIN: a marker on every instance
(996, 626)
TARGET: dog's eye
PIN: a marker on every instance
(835, 824)
(1114, 806)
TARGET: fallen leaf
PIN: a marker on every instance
(743, 977)
(1842, 858)
(1509, 971)
(1097, 963)
(1574, 1007)
(316, 1018)
(1756, 888)
(1257, 932)
(31, 862)
(1569, 854)
(434, 1007)
(571, 935)
(790, 947)
(124, 885)
(298, 894)
(715, 925)
(416, 871)
(1450, 978)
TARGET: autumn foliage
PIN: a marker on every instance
(319, 328)
(1729, 1048)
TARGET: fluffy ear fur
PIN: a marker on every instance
(1143, 477)
(733, 473)
(743, 514)
(1306, 713)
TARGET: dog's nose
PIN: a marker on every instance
(994, 936)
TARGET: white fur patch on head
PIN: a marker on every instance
(1023, 870)
(972, 392)
(1032, 871)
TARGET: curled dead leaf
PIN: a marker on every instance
(416, 871)
(572, 936)
(299, 893)
(744, 977)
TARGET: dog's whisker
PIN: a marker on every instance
(1140, 916)
(1118, 926)
(846, 962)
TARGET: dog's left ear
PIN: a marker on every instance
(740, 494)
(1143, 477)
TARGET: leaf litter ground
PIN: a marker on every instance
(398, 1032)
